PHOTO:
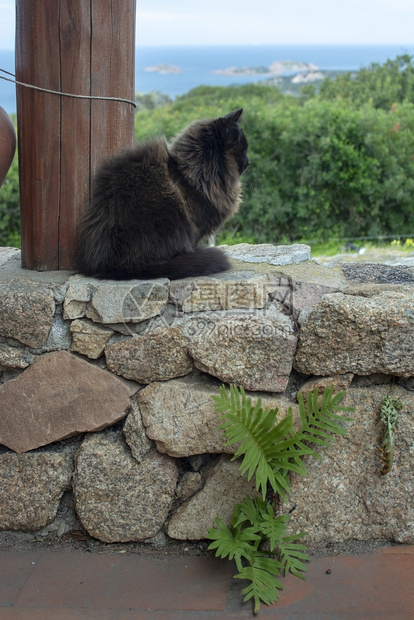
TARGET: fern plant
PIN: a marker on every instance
(389, 417)
(270, 449)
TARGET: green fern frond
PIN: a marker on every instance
(323, 417)
(258, 433)
(274, 528)
(252, 423)
(301, 468)
(318, 424)
(282, 483)
(271, 449)
(260, 515)
(263, 587)
(233, 543)
(248, 510)
(292, 554)
(254, 522)
(270, 565)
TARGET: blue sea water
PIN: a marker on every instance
(197, 64)
(7, 90)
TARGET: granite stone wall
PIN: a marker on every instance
(106, 416)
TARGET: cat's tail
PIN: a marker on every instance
(203, 261)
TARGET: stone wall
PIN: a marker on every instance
(106, 416)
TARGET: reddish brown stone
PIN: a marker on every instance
(57, 397)
(7, 144)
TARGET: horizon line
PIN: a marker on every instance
(181, 45)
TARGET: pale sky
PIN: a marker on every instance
(254, 22)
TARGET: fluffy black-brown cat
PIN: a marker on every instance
(153, 203)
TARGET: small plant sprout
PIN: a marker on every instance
(389, 417)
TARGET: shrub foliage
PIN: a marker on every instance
(338, 164)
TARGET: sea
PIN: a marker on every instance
(197, 64)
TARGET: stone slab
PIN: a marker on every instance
(131, 301)
(268, 253)
(159, 355)
(31, 486)
(7, 254)
(26, 311)
(226, 291)
(253, 352)
(224, 488)
(89, 338)
(11, 269)
(360, 335)
(378, 273)
(179, 416)
(117, 498)
(78, 294)
(58, 396)
(14, 357)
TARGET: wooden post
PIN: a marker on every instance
(83, 47)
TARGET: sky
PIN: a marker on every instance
(255, 22)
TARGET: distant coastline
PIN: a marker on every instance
(288, 75)
(163, 69)
(278, 67)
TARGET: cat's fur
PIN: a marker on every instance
(153, 203)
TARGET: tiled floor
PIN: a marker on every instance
(82, 586)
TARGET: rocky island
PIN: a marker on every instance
(279, 67)
(163, 69)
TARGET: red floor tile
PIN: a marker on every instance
(15, 613)
(15, 569)
(74, 580)
(182, 615)
(375, 586)
(80, 586)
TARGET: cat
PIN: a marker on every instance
(152, 204)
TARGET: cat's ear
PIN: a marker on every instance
(231, 125)
(234, 117)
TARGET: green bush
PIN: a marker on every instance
(330, 170)
(320, 168)
(380, 85)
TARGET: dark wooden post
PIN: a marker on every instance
(83, 47)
